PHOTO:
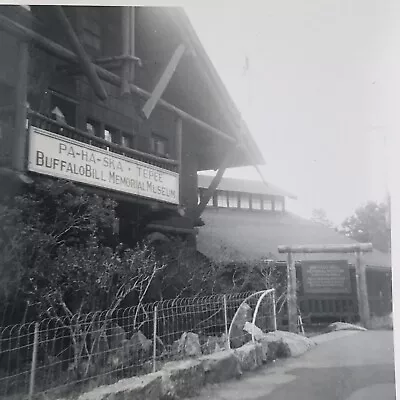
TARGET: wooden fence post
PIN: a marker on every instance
(291, 293)
(362, 291)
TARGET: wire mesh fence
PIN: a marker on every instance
(60, 356)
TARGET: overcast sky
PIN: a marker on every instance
(317, 94)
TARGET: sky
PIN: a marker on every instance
(317, 91)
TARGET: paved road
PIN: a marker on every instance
(344, 366)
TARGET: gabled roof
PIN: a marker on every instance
(243, 185)
(240, 235)
(238, 126)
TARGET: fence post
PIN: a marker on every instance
(226, 322)
(155, 338)
(274, 309)
(34, 359)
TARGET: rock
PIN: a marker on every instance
(138, 388)
(343, 326)
(139, 344)
(258, 333)
(214, 344)
(187, 345)
(117, 337)
(288, 344)
(237, 336)
(385, 322)
(181, 379)
(250, 356)
(221, 366)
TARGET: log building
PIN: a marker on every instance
(246, 221)
(121, 100)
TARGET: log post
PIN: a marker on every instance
(128, 45)
(20, 128)
(291, 293)
(362, 291)
(86, 63)
(179, 143)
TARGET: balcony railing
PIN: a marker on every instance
(40, 121)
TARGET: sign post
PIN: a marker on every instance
(362, 292)
(292, 293)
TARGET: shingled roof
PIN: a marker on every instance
(241, 235)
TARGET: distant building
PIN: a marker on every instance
(246, 221)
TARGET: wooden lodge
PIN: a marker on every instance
(121, 100)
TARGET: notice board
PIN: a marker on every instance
(326, 277)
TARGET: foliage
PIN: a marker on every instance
(54, 254)
(370, 223)
(319, 215)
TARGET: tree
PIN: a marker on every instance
(319, 215)
(370, 223)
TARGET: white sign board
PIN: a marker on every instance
(64, 158)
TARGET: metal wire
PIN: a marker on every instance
(71, 354)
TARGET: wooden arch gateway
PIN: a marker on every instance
(362, 293)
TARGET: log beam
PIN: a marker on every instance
(163, 82)
(87, 66)
(66, 55)
(214, 183)
(347, 248)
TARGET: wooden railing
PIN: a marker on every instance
(40, 121)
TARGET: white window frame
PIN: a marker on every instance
(267, 204)
(247, 197)
(256, 201)
(222, 199)
(233, 200)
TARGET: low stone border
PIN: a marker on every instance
(185, 378)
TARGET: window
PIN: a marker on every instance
(126, 140)
(278, 205)
(62, 109)
(159, 145)
(244, 201)
(108, 135)
(256, 202)
(222, 199)
(267, 204)
(233, 200)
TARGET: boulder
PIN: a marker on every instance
(220, 366)
(181, 379)
(385, 322)
(214, 344)
(288, 344)
(117, 337)
(138, 388)
(250, 356)
(188, 345)
(250, 327)
(237, 336)
(343, 326)
(139, 345)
